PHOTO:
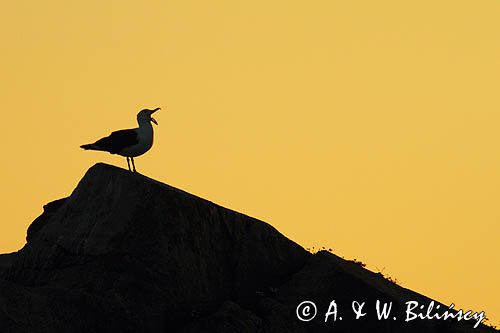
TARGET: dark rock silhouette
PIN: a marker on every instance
(125, 253)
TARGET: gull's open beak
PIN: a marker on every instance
(153, 119)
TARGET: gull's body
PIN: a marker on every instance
(129, 143)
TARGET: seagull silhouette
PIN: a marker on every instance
(129, 143)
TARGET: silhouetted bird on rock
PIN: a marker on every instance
(129, 143)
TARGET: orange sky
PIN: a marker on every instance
(370, 127)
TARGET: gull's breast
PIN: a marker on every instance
(145, 143)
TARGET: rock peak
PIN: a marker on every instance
(127, 253)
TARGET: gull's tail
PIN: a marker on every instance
(90, 146)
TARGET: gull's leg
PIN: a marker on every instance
(133, 164)
(128, 163)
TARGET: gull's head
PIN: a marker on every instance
(145, 116)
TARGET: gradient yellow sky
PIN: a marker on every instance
(370, 127)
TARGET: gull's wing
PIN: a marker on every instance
(118, 140)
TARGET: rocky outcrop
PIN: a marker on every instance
(126, 253)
